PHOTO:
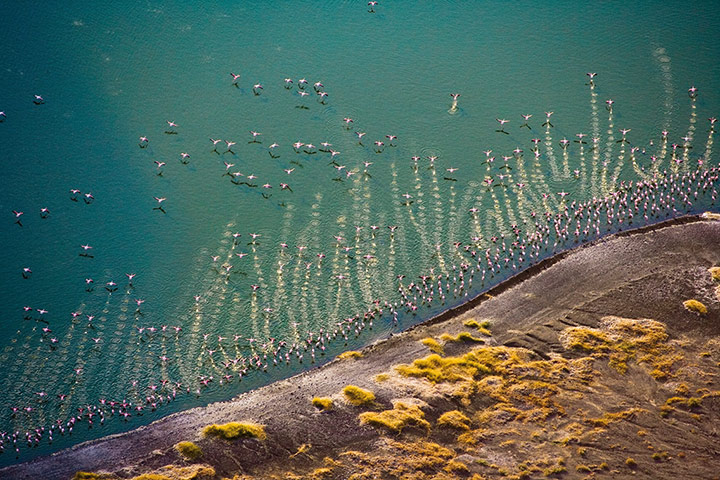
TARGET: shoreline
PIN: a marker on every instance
(52, 466)
(546, 263)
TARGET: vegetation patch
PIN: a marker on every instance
(453, 466)
(715, 273)
(88, 476)
(460, 337)
(660, 456)
(479, 362)
(350, 354)
(482, 327)
(188, 450)
(358, 396)
(322, 472)
(454, 419)
(301, 449)
(554, 471)
(585, 339)
(400, 460)
(233, 430)
(693, 305)
(322, 403)
(395, 420)
(432, 344)
(609, 418)
(624, 339)
(173, 472)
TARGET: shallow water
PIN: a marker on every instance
(112, 72)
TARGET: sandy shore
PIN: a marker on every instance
(641, 274)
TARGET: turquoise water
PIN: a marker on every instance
(112, 72)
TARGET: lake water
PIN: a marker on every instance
(111, 72)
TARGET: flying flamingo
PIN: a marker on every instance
(159, 201)
(547, 121)
(502, 122)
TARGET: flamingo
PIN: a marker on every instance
(502, 122)
(159, 201)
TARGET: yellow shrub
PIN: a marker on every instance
(322, 403)
(483, 327)
(460, 337)
(321, 472)
(358, 396)
(481, 361)
(608, 418)
(349, 354)
(432, 344)
(695, 306)
(396, 419)
(454, 419)
(233, 430)
(453, 466)
(188, 450)
(715, 273)
(586, 339)
(192, 472)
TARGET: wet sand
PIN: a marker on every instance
(640, 274)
